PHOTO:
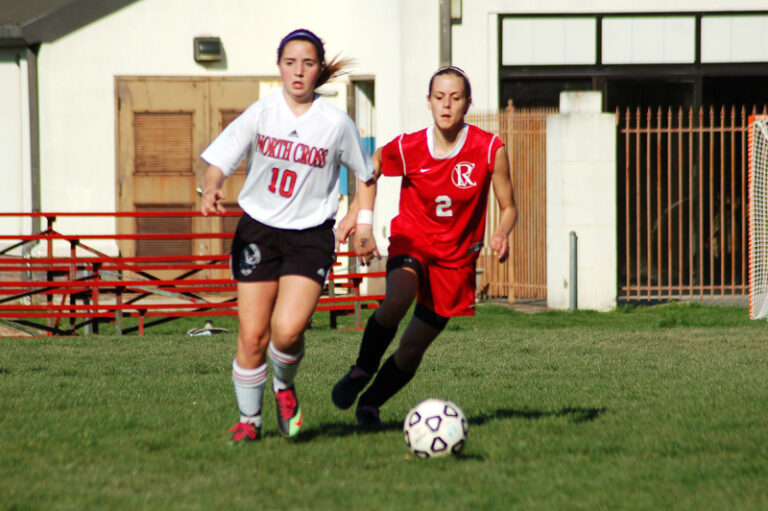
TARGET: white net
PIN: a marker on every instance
(758, 217)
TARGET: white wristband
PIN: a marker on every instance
(365, 216)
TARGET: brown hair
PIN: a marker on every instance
(337, 65)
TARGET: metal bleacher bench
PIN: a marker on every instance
(65, 295)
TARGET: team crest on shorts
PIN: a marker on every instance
(250, 257)
(462, 175)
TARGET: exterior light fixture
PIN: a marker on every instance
(456, 11)
(208, 49)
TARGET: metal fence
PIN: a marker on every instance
(524, 276)
(682, 203)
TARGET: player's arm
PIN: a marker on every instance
(363, 241)
(212, 194)
(363, 199)
(505, 195)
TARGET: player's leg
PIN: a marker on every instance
(403, 273)
(296, 300)
(307, 257)
(401, 366)
(249, 369)
(447, 292)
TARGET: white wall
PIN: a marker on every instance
(581, 197)
(395, 41)
(15, 181)
(475, 39)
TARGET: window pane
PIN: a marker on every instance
(734, 38)
(649, 40)
(548, 41)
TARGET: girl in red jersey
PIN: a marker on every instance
(447, 170)
(283, 247)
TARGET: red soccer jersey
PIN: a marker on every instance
(442, 200)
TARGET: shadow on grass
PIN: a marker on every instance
(574, 414)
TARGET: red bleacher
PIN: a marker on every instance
(78, 293)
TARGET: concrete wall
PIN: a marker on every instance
(15, 180)
(581, 197)
(77, 72)
(476, 38)
(395, 41)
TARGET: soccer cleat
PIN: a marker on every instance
(244, 432)
(346, 389)
(367, 417)
(288, 412)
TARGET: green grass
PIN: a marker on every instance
(640, 408)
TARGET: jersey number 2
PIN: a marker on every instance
(443, 206)
(287, 182)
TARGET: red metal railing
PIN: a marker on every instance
(109, 287)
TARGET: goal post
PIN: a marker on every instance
(757, 148)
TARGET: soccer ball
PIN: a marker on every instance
(434, 428)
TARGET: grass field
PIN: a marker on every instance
(646, 408)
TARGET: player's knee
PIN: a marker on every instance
(430, 317)
(252, 342)
(286, 337)
(391, 311)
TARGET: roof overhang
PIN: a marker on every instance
(41, 21)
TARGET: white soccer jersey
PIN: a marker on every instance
(293, 162)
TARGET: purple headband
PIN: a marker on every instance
(305, 35)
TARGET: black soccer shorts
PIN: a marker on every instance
(262, 253)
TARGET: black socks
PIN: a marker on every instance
(388, 382)
(376, 340)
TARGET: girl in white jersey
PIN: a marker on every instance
(284, 243)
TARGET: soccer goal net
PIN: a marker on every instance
(758, 216)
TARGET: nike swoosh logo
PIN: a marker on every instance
(424, 170)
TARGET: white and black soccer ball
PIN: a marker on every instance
(435, 427)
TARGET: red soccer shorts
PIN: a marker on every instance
(446, 291)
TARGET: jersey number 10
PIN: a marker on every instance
(287, 182)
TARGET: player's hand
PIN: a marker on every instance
(365, 244)
(500, 246)
(212, 202)
(344, 229)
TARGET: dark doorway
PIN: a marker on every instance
(539, 92)
(735, 90)
(638, 92)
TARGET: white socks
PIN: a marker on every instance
(249, 390)
(284, 367)
(250, 383)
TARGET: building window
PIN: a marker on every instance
(548, 41)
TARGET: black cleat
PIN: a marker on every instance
(346, 389)
(368, 417)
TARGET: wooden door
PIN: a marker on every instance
(164, 123)
(227, 100)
